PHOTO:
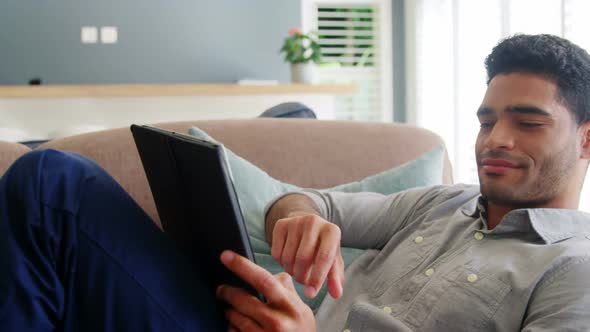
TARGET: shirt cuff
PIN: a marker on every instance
(314, 195)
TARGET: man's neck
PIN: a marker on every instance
(495, 213)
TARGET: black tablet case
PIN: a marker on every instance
(196, 200)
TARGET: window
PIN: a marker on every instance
(355, 40)
(452, 39)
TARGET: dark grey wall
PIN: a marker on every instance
(160, 41)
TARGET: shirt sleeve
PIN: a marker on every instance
(563, 302)
(369, 220)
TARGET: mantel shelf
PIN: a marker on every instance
(166, 90)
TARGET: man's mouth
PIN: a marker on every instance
(498, 166)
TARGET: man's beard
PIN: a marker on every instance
(530, 192)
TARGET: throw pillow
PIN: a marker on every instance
(255, 189)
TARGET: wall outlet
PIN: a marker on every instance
(109, 35)
(89, 35)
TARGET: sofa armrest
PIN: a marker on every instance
(9, 152)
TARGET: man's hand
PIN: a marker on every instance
(308, 247)
(284, 310)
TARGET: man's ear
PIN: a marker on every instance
(584, 131)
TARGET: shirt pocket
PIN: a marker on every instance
(399, 262)
(466, 301)
(365, 317)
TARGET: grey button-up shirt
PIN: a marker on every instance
(433, 265)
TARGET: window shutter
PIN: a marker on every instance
(352, 44)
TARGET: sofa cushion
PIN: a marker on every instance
(255, 189)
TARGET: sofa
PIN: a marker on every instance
(307, 153)
(269, 156)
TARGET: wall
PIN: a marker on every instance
(173, 41)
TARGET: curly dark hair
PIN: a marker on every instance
(555, 58)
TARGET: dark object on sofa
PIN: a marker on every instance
(289, 110)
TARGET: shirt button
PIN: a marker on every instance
(418, 239)
(429, 272)
(478, 236)
(472, 278)
(347, 330)
(387, 310)
(407, 297)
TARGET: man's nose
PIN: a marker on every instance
(501, 137)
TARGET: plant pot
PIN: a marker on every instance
(302, 73)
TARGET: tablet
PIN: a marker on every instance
(195, 197)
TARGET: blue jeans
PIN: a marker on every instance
(78, 254)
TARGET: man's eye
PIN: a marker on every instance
(486, 125)
(531, 124)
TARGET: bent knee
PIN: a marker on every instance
(36, 159)
(48, 174)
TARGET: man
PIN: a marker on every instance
(513, 254)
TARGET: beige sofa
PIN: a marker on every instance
(307, 153)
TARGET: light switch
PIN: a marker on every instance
(89, 35)
(109, 35)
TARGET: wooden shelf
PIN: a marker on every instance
(164, 90)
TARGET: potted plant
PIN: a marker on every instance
(302, 51)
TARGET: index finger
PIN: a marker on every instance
(262, 280)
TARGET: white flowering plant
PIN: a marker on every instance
(300, 47)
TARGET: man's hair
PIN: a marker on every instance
(555, 58)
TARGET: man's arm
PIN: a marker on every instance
(307, 245)
(367, 220)
(561, 303)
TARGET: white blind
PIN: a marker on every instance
(352, 43)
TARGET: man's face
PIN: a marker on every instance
(526, 149)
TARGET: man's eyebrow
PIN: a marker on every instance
(484, 111)
(528, 110)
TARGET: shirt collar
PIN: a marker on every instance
(554, 225)
(551, 225)
(475, 207)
